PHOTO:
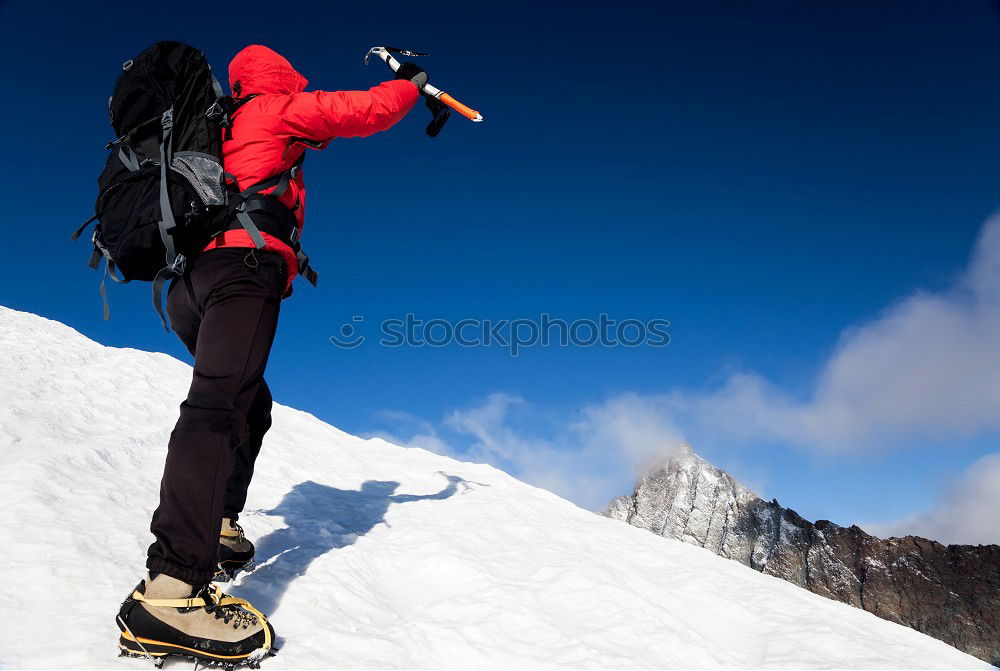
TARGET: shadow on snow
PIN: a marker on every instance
(321, 518)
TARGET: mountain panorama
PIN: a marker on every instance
(377, 556)
(951, 592)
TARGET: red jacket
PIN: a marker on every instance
(271, 131)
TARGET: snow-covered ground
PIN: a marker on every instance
(374, 555)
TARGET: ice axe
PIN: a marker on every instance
(385, 53)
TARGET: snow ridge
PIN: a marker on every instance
(373, 556)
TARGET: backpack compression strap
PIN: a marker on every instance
(100, 252)
(175, 262)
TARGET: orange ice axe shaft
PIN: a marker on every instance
(464, 110)
(385, 53)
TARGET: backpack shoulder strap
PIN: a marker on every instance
(279, 182)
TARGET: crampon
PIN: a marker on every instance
(158, 658)
(228, 571)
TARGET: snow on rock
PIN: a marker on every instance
(374, 556)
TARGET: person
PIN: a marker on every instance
(225, 310)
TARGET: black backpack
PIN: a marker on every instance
(163, 193)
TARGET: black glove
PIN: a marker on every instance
(439, 114)
(412, 72)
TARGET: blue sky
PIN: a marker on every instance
(769, 177)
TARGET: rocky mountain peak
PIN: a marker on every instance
(683, 496)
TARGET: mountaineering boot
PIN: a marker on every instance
(235, 551)
(165, 616)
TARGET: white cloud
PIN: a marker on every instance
(927, 366)
(967, 513)
(640, 427)
(589, 460)
(421, 432)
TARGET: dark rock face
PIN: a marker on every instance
(950, 592)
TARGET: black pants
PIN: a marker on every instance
(225, 310)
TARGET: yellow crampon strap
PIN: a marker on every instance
(193, 602)
(219, 598)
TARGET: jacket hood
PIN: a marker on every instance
(258, 70)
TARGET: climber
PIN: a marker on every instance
(225, 310)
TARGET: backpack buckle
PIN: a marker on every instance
(217, 113)
(178, 265)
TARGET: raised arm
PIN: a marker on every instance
(324, 115)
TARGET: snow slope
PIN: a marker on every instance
(375, 555)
